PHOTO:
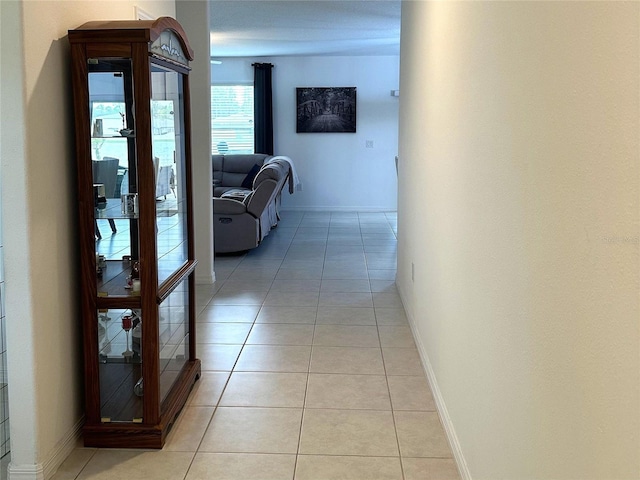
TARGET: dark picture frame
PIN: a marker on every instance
(325, 109)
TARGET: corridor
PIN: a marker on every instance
(310, 371)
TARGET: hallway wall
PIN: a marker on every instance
(38, 175)
(518, 231)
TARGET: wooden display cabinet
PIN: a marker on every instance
(132, 126)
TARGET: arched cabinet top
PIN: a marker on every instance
(161, 35)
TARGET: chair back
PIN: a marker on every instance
(105, 171)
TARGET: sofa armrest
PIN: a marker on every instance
(228, 206)
(262, 195)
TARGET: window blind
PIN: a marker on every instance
(232, 125)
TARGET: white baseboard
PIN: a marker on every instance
(205, 279)
(26, 472)
(449, 429)
(46, 469)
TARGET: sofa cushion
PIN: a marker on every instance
(236, 167)
(248, 180)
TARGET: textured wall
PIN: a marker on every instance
(518, 206)
(38, 201)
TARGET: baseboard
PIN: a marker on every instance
(205, 279)
(46, 469)
(449, 429)
(25, 472)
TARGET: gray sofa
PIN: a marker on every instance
(245, 207)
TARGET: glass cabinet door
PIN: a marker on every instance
(168, 149)
(120, 368)
(173, 325)
(113, 166)
(113, 161)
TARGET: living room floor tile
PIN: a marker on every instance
(296, 285)
(229, 313)
(261, 389)
(187, 432)
(410, 392)
(278, 314)
(345, 286)
(385, 274)
(347, 468)
(328, 299)
(346, 336)
(367, 392)
(207, 390)
(387, 300)
(356, 360)
(274, 358)
(391, 316)
(230, 333)
(383, 286)
(239, 466)
(292, 299)
(345, 316)
(396, 336)
(253, 430)
(218, 357)
(420, 434)
(402, 361)
(348, 432)
(114, 464)
(430, 469)
(280, 334)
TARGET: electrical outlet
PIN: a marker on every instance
(369, 144)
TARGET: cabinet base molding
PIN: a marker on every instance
(139, 435)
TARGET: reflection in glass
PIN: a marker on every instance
(174, 336)
(120, 364)
(113, 157)
(167, 127)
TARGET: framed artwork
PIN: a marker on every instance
(326, 109)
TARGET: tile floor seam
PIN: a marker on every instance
(304, 403)
(395, 427)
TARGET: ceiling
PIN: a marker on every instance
(264, 28)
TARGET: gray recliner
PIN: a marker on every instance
(230, 171)
(243, 217)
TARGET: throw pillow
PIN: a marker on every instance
(248, 180)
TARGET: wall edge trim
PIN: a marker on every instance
(205, 279)
(441, 407)
(46, 469)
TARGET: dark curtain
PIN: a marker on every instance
(263, 108)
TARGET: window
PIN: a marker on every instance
(107, 119)
(232, 119)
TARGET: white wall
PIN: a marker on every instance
(193, 15)
(519, 206)
(337, 171)
(38, 175)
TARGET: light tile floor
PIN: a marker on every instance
(310, 371)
